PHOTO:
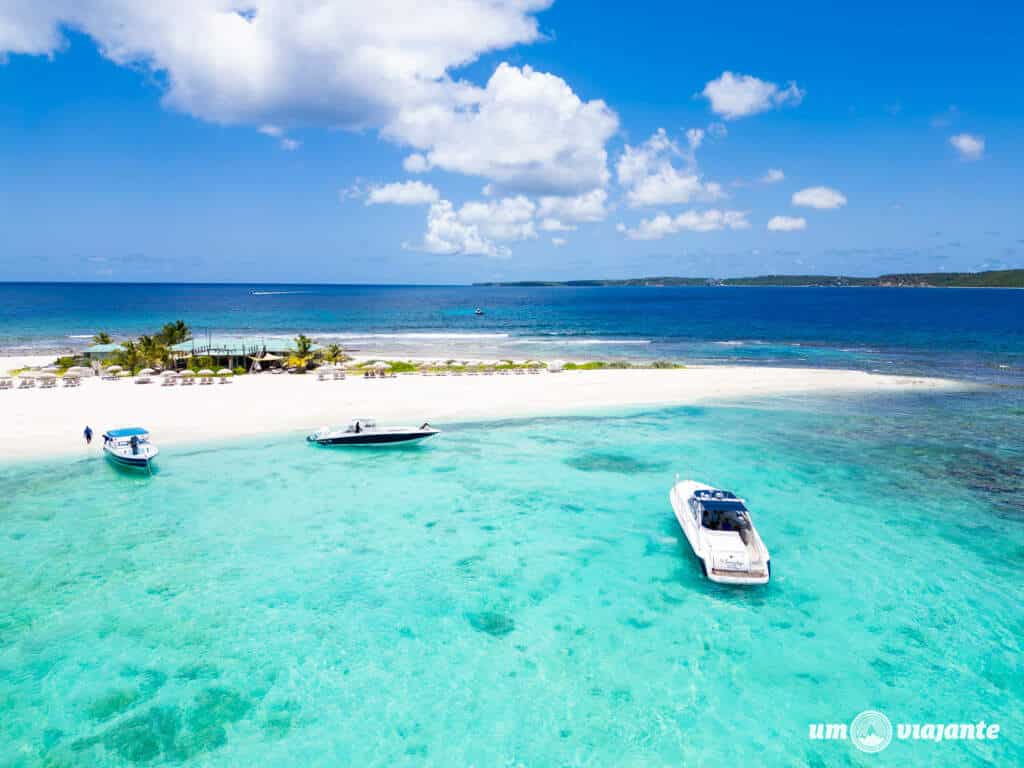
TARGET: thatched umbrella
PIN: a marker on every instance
(225, 372)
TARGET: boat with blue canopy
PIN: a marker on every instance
(129, 447)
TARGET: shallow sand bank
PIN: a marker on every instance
(36, 423)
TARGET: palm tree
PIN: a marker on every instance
(152, 350)
(335, 354)
(128, 356)
(303, 345)
(174, 333)
(101, 338)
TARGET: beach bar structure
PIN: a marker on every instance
(101, 351)
(235, 352)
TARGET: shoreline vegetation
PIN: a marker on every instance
(1005, 278)
(173, 348)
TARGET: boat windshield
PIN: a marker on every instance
(722, 515)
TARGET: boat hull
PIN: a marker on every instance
(129, 462)
(372, 439)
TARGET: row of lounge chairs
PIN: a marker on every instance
(42, 382)
(484, 372)
(330, 374)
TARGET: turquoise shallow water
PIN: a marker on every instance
(519, 594)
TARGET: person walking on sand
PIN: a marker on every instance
(87, 434)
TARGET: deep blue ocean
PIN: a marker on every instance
(971, 333)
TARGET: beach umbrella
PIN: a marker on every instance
(51, 369)
(556, 365)
(380, 365)
(169, 374)
(206, 372)
(72, 374)
(47, 375)
(114, 369)
(27, 375)
(146, 372)
(533, 363)
(225, 372)
(187, 373)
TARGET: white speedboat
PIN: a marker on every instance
(366, 432)
(129, 447)
(721, 532)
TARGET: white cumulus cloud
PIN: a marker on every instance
(773, 176)
(416, 163)
(650, 177)
(786, 223)
(510, 218)
(558, 241)
(335, 62)
(473, 228)
(969, 146)
(561, 213)
(733, 96)
(526, 130)
(403, 193)
(554, 225)
(663, 225)
(386, 66)
(819, 197)
(446, 234)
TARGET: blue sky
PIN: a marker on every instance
(339, 142)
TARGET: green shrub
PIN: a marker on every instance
(401, 366)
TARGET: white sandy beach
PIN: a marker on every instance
(36, 423)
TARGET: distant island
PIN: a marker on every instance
(1005, 278)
